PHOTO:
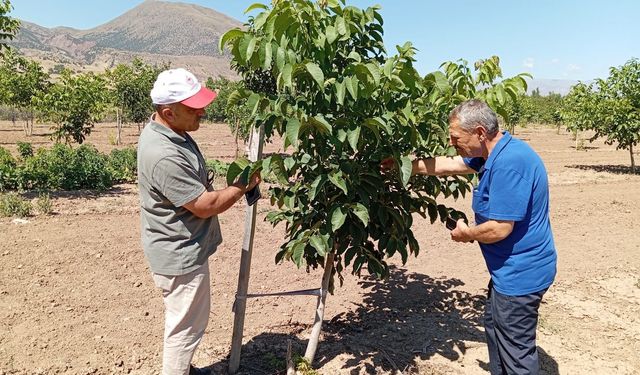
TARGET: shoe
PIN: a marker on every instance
(199, 371)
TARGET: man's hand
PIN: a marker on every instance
(254, 180)
(461, 232)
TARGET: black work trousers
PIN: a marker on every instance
(510, 324)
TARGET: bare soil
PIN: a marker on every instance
(76, 296)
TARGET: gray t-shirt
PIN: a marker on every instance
(171, 173)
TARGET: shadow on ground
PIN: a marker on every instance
(410, 316)
(114, 191)
(617, 169)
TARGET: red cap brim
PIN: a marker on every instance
(201, 99)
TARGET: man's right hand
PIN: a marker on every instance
(253, 181)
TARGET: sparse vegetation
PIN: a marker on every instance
(25, 150)
(303, 367)
(12, 204)
(219, 168)
(43, 203)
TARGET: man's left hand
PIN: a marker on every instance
(461, 232)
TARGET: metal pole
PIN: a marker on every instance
(255, 153)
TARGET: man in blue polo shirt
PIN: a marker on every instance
(511, 206)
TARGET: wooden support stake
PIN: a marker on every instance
(255, 153)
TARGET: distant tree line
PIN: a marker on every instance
(74, 103)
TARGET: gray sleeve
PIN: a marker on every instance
(177, 180)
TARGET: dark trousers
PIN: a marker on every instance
(510, 324)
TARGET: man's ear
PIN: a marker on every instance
(167, 114)
(481, 132)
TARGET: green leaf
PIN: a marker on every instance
(316, 73)
(251, 47)
(320, 244)
(298, 253)
(316, 186)
(341, 26)
(266, 64)
(342, 135)
(280, 58)
(293, 130)
(388, 67)
(338, 217)
(277, 167)
(352, 86)
(253, 102)
(235, 169)
(286, 75)
(353, 135)
(337, 179)
(229, 36)
(321, 124)
(340, 92)
(362, 213)
(255, 6)
(355, 56)
(331, 33)
(374, 71)
(440, 80)
(405, 170)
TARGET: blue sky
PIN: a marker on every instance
(551, 39)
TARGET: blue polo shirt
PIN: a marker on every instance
(513, 186)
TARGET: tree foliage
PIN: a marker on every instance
(318, 75)
(609, 107)
(74, 104)
(21, 81)
(236, 116)
(8, 26)
(131, 84)
(620, 107)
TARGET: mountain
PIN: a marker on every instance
(184, 35)
(547, 86)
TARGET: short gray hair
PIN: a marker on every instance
(475, 112)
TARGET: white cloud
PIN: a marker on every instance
(528, 62)
(573, 68)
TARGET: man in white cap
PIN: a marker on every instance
(178, 213)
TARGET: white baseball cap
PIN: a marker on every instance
(181, 86)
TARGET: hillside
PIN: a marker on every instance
(182, 34)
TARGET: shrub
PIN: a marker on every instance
(12, 204)
(43, 204)
(123, 165)
(219, 168)
(8, 170)
(25, 149)
(63, 167)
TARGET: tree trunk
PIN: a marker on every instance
(317, 324)
(118, 127)
(31, 116)
(237, 145)
(633, 162)
(291, 367)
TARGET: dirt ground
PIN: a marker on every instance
(76, 296)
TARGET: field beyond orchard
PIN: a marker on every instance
(76, 296)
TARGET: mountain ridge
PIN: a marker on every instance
(156, 31)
